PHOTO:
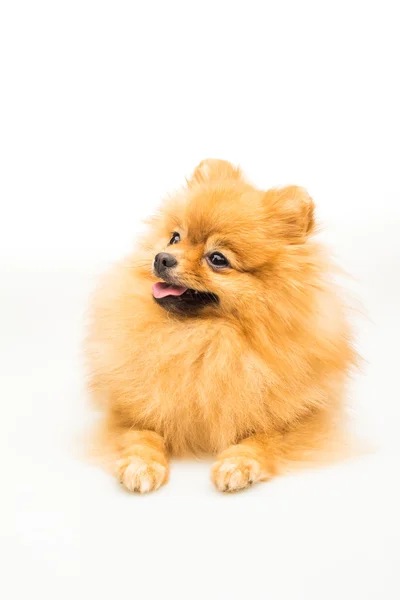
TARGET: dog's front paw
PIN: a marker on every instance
(235, 473)
(140, 475)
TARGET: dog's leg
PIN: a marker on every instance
(143, 464)
(263, 456)
(136, 457)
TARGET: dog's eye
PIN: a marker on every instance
(218, 260)
(175, 238)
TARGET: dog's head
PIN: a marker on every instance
(222, 245)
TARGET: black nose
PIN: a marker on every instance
(164, 261)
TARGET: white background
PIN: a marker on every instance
(105, 107)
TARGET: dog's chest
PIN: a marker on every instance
(201, 394)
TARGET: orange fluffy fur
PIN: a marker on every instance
(258, 379)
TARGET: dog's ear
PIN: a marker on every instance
(214, 169)
(295, 209)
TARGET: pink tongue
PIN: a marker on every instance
(161, 289)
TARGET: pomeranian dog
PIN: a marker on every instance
(221, 334)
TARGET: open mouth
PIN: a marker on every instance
(181, 299)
